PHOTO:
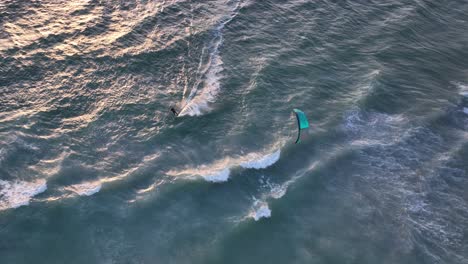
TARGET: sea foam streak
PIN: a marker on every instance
(198, 100)
(371, 128)
(19, 193)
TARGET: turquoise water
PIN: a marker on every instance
(95, 169)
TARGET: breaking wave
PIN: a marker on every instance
(262, 162)
(220, 176)
(85, 189)
(19, 193)
(219, 171)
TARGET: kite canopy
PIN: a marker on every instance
(302, 123)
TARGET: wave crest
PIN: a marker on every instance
(19, 193)
(219, 171)
(86, 188)
(262, 162)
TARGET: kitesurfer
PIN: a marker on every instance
(174, 111)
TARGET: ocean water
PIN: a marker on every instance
(95, 169)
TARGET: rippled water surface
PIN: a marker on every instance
(95, 169)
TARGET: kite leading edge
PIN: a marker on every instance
(302, 123)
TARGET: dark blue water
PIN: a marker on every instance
(94, 168)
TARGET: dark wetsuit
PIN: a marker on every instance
(174, 111)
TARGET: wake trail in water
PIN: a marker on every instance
(207, 86)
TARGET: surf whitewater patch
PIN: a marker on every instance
(260, 210)
(219, 176)
(463, 89)
(19, 193)
(262, 161)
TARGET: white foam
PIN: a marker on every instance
(279, 191)
(219, 176)
(219, 170)
(359, 120)
(373, 129)
(215, 172)
(19, 193)
(262, 162)
(465, 110)
(463, 89)
(86, 188)
(274, 190)
(260, 210)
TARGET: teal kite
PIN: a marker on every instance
(302, 123)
